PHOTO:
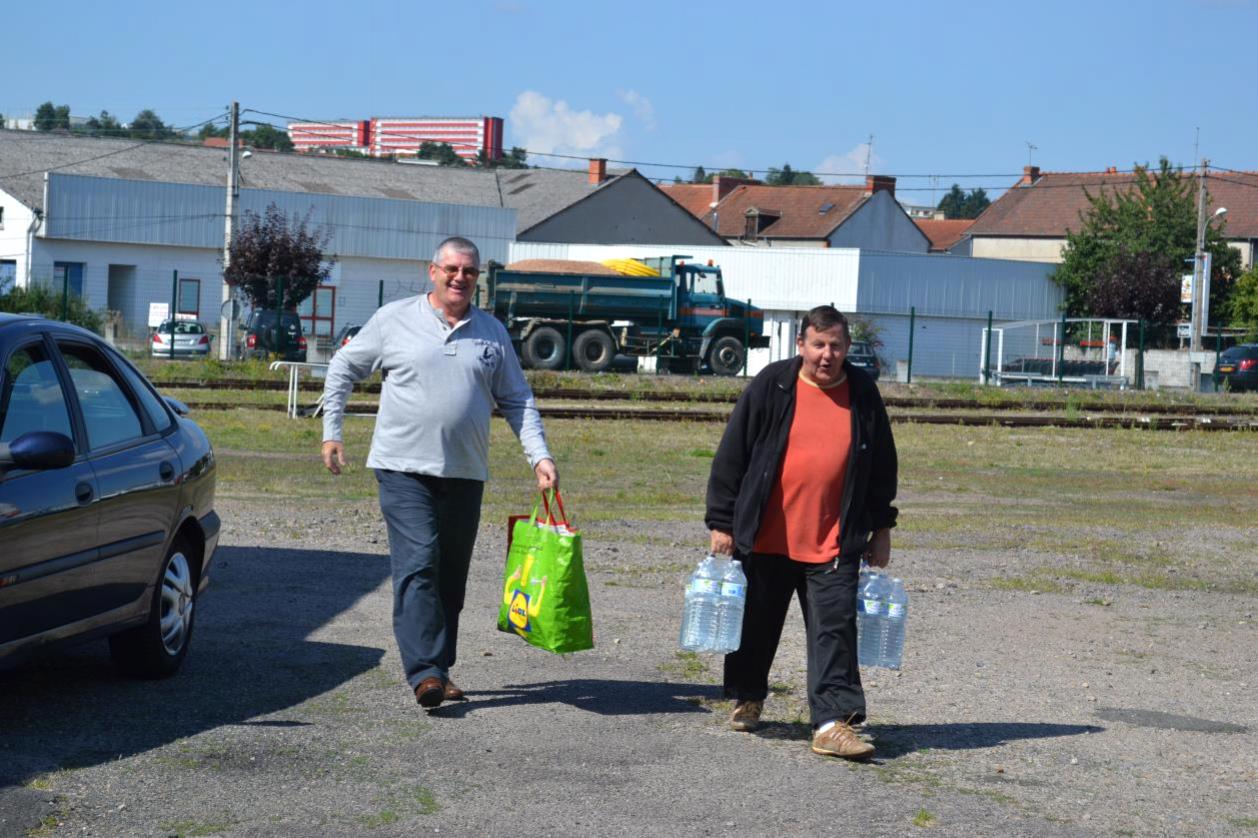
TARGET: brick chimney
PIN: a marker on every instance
(722, 186)
(598, 170)
(1030, 174)
(880, 183)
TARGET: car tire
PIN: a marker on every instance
(594, 350)
(157, 648)
(726, 355)
(544, 349)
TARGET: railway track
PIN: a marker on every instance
(1002, 419)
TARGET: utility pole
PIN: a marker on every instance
(1195, 326)
(227, 322)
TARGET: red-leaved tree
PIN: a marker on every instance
(273, 247)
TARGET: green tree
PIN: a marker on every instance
(50, 117)
(43, 299)
(958, 204)
(516, 158)
(147, 125)
(267, 136)
(208, 130)
(1243, 308)
(441, 152)
(700, 176)
(1155, 214)
(105, 125)
(735, 173)
(786, 176)
(270, 247)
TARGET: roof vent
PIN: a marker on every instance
(826, 207)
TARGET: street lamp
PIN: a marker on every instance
(1201, 280)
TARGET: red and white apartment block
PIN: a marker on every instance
(385, 136)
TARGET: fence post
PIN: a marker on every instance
(987, 351)
(1218, 338)
(1140, 360)
(659, 331)
(281, 339)
(1061, 349)
(174, 301)
(912, 327)
(570, 315)
(65, 294)
(747, 339)
(380, 295)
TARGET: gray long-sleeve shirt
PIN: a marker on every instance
(439, 395)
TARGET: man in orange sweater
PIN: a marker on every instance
(801, 490)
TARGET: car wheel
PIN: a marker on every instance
(726, 356)
(157, 648)
(593, 350)
(545, 349)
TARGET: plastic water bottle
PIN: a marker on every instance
(871, 614)
(892, 650)
(699, 617)
(729, 610)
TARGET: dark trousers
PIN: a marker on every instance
(432, 525)
(827, 596)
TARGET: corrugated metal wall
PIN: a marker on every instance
(190, 215)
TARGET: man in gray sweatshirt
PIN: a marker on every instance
(447, 364)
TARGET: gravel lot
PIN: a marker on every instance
(1102, 711)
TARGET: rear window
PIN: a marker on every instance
(1239, 353)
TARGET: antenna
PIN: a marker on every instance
(1030, 147)
(869, 153)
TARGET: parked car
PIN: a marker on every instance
(268, 333)
(1237, 369)
(344, 336)
(189, 336)
(862, 355)
(107, 520)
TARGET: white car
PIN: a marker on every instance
(190, 339)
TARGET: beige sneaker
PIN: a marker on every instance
(841, 741)
(746, 715)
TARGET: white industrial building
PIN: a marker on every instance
(948, 298)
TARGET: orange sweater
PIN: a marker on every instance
(801, 517)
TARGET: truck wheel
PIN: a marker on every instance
(593, 350)
(726, 355)
(544, 349)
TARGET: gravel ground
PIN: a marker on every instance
(1103, 711)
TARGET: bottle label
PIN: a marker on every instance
(733, 589)
(895, 610)
(705, 586)
(868, 606)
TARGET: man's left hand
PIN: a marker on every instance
(547, 475)
(878, 551)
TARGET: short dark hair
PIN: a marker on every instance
(822, 318)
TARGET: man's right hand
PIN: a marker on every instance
(333, 455)
(722, 543)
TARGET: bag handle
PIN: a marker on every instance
(550, 515)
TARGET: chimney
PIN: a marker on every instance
(598, 170)
(880, 183)
(1030, 174)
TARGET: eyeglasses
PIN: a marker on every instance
(452, 271)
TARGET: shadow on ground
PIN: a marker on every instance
(249, 658)
(605, 697)
(897, 740)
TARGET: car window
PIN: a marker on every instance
(108, 413)
(149, 400)
(31, 398)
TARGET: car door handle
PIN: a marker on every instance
(166, 470)
(83, 492)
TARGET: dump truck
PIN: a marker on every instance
(668, 308)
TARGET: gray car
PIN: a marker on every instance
(862, 355)
(107, 522)
(189, 337)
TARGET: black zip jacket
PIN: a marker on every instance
(751, 450)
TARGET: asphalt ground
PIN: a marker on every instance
(1114, 711)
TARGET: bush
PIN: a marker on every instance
(43, 300)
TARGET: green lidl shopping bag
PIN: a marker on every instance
(545, 599)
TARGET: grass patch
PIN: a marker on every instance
(923, 818)
(194, 829)
(686, 665)
(1244, 823)
(378, 819)
(1029, 584)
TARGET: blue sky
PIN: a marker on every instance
(946, 88)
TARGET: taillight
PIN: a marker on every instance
(301, 342)
(157, 337)
(205, 340)
(251, 341)
(1248, 363)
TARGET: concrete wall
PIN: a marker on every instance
(880, 224)
(17, 220)
(1017, 249)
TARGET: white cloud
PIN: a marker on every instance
(544, 125)
(642, 107)
(848, 167)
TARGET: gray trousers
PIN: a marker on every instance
(432, 525)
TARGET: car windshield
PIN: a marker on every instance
(859, 347)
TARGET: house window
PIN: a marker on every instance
(190, 297)
(8, 274)
(318, 312)
(68, 275)
(1, 218)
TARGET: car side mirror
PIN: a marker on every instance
(176, 405)
(37, 451)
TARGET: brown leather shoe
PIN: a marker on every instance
(430, 692)
(746, 715)
(841, 740)
(453, 693)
